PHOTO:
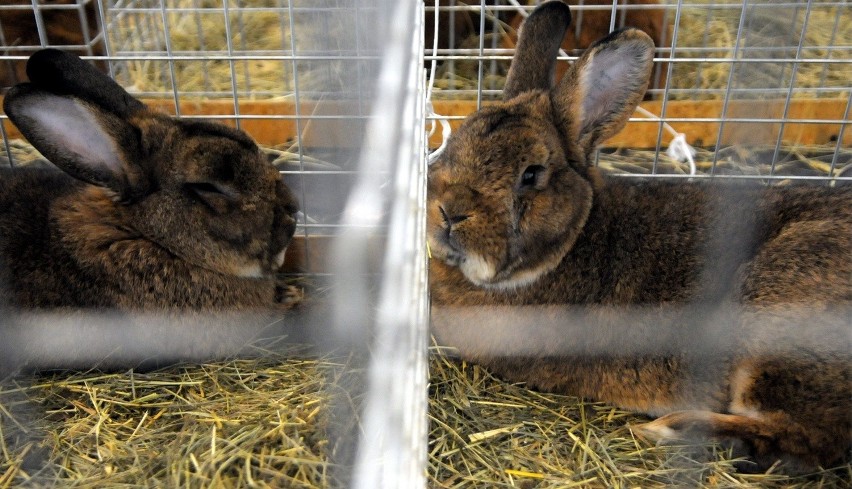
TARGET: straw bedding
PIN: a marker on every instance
(235, 424)
(262, 423)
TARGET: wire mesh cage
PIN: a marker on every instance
(27, 26)
(741, 92)
(331, 90)
(748, 83)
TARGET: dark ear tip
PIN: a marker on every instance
(639, 35)
(45, 64)
(552, 9)
(626, 34)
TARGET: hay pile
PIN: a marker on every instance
(770, 33)
(195, 27)
(489, 433)
(258, 423)
(258, 32)
(262, 423)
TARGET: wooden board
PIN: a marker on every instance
(702, 133)
(313, 254)
(334, 127)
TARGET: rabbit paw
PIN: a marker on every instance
(288, 295)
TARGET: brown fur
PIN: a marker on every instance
(164, 215)
(722, 308)
(594, 24)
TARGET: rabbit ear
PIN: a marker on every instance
(85, 141)
(64, 73)
(602, 89)
(538, 44)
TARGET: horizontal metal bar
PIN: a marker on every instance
(277, 117)
(31, 47)
(178, 57)
(446, 52)
(220, 10)
(734, 177)
(474, 56)
(698, 119)
(745, 91)
(263, 117)
(622, 7)
(341, 226)
(41, 6)
(311, 172)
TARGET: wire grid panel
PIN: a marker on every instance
(26, 26)
(254, 49)
(768, 75)
(311, 70)
(291, 73)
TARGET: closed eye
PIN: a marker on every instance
(203, 187)
(217, 197)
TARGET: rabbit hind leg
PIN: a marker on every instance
(765, 440)
(779, 411)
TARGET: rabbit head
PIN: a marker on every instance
(202, 191)
(514, 187)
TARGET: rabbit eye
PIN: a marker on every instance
(530, 176)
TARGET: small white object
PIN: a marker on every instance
(445, 134)
(680, 150)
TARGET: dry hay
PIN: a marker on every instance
(704, 26)
(768, 30)
(489, 433)
(751, 161)
(249, 423)
(264, 30)
(264, 422)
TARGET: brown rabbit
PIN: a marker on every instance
(150, 212)
(721, 309)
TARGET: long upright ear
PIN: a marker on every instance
(602, 89)
(64, 73)
(84, 140)
(538, 44)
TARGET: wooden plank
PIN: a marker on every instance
(340, 130)
(339, 124)
(645, 134)
(313, 254)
